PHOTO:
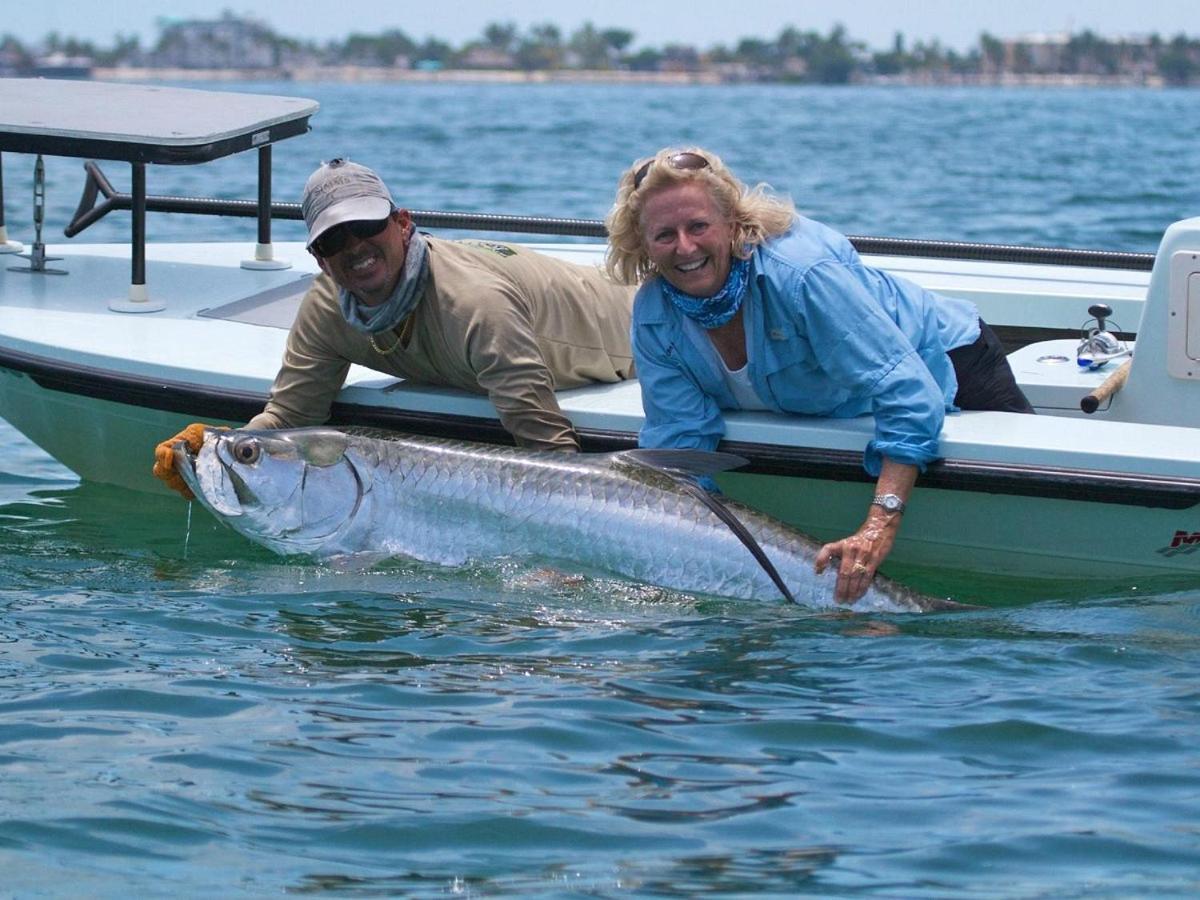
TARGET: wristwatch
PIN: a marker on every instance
(890, 503)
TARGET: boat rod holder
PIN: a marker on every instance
(37, 253)
(89, 211)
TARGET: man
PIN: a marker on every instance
(485, 317)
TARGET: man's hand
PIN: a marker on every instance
(164, 457)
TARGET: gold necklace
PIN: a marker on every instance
(401, 338)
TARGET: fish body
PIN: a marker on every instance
(330, 493)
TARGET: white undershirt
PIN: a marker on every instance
(738, 382)
(740, 386)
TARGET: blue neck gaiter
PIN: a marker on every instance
(714, 311)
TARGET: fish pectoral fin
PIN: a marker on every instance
(684, 466)
(696, 463)
(729, 517)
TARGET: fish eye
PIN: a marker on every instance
(247, 451)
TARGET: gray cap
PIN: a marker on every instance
(342, 191)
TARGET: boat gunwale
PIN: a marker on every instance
(948, 473)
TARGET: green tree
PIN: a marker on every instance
(1176, 64)
(590, 49)
(617, 38)
(542, 48)
(680, 58)
(435, 51)
(757, 52)
(832, 60)
(645, 60)
(14, 53)
(894, 61)
(501, 36)
(377, 50)
(992, 52)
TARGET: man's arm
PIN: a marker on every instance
(313, 367)
(503, 352)
(309, 378)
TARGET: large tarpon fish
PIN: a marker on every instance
(636, 513)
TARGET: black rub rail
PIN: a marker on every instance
(207, 403)
(90, 211)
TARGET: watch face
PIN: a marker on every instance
(890, 502)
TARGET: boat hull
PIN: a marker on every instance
(993, 533)
(1033, 496)
(960, 529)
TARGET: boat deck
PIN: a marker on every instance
(224, 327)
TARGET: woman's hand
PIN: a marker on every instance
(863, 552)
(860, 554)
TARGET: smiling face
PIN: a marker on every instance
(370, 267)
(687, 238)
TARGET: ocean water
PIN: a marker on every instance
(184, 714)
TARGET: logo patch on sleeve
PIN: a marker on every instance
(498, 249)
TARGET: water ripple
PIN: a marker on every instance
(223, 722)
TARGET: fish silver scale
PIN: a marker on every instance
(451, 502)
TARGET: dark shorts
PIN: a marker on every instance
(985, 379)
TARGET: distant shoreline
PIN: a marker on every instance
(367, 74)
(375, 75)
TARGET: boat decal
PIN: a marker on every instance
(1182, 542)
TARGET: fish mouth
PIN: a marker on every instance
(185, 465)
(217, 497)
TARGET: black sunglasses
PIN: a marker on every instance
(687, 160)
(333, 241)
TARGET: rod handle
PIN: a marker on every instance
(1113, 383)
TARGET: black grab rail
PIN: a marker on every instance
(89, 212)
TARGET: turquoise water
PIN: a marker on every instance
(1106, 169)
(182, 713)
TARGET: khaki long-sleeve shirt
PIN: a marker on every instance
(496, 319)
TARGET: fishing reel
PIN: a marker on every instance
(1099, 346)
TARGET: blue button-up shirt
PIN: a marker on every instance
(826, 335)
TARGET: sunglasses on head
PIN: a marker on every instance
(687, 160)
(333, 241)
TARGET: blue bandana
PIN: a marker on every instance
(714, 311)
(392, 311)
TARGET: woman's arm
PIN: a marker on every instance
(677, 411)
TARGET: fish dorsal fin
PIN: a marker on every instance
(682, 466)
(697, 463)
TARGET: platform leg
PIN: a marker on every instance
(264, 257)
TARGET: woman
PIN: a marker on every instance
(745, 304)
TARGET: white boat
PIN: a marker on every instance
(136, 340)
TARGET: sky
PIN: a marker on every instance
(956, 24)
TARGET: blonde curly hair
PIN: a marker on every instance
(755, 214)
